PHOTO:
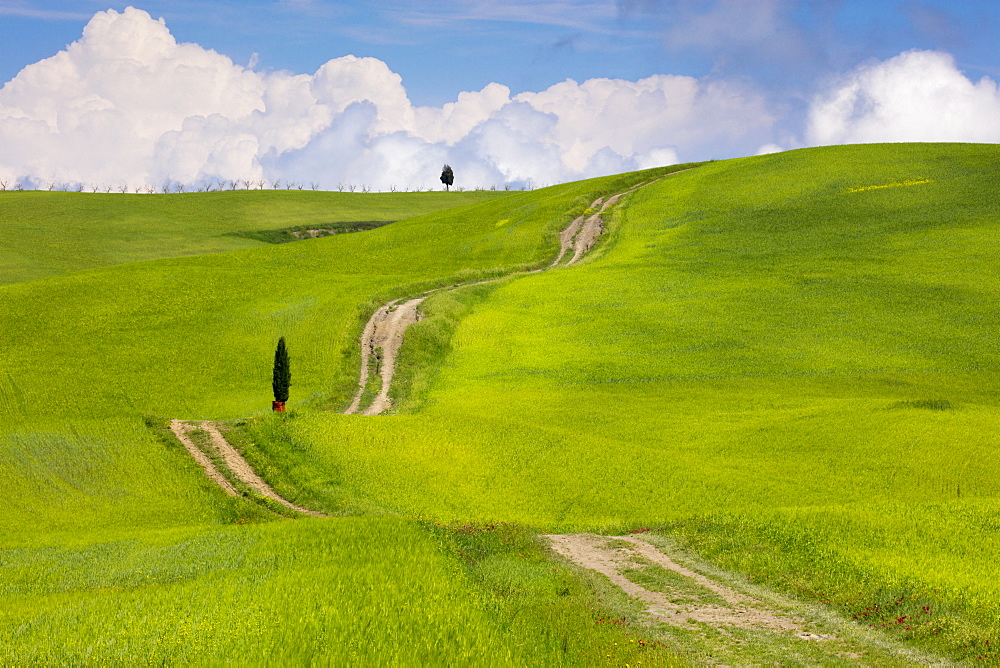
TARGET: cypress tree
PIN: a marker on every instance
(282, 377)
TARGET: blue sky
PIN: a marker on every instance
(780, 58)
(442, 48)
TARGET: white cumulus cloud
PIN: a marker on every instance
(128, 104)
(915, 96)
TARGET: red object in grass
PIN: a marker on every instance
(278, 406)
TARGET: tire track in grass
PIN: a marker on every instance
(717, 616)
(718, 605)
(723, 620)
(181, 431)
(233, 460)
(385, 329)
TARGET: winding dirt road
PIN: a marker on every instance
(684, 598)
(233, 460)
(181, 431)
(381, 339)
(385, 329)
(698, 600)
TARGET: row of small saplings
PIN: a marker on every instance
(218, 186)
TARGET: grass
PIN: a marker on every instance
(367, 590)
(786, 364)
(682, 589)
(758, 356)
(64, 481)
(121, 342)
(53, 233)
(91, 480)
(144, 337)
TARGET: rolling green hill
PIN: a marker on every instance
(787, 364)
(113, 541)
(52, 233)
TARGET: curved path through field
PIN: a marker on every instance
(702, 600)
(384, 330)
(381, 339)
(233, 460)
(182, 432)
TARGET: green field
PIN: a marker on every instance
(113, 539)
(52, 233)
(786, 364)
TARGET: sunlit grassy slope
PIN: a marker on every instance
(51, 233)
(87, 355)
(754, 307)
(789, 360)
(358, 591)
(113, 545)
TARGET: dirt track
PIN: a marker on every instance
(181, 430)
(233, 460)
(699, 600)
(385, 329)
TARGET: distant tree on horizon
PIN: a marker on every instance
(447, 177)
